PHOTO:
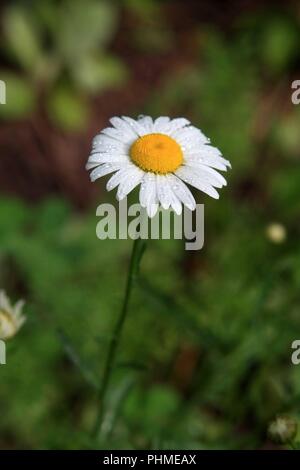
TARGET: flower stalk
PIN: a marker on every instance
(136, 255)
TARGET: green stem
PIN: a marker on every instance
(137, 252)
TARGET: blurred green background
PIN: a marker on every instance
(205, 357)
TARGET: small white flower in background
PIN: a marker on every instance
(276, 233)
(161, 155)
(11, 318)
(283, 429)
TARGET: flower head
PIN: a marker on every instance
(283, 429)
(276, 233)
(11, 318)
(161, 155)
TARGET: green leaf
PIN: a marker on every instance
(22, 37)
(133, 365)
(279, 44)
(76, 359)
(67, 110)
(115, 404)
(180, 315)
(286, 133)
(98, 73)
(83, 27)
(20, 99)
(152, 408)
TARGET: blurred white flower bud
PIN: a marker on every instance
(276, 233)
(283, 429)
(11, 318)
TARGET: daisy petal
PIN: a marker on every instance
(130, 181)
(207, 161)
(18, 310)
(152, 207)
(4, 301)
(137, 126)
(178, 123)
(182, 192)
(189, 176)
(207, 155)
(146, 122)
(122, 136)
(164, 192)
(90, 165)
(104, 143)
(189, 137)
(116, 179)
(176, 204)
(166, 195)
(148, 187)
(106, 158)
(123, 126)
(220, 178)
(208, 175)
(148, 195)
(161, 124)
(105, 169)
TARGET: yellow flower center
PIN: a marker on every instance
(157, 153)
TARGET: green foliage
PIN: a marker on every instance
(280, 43)
(62, 41)
(22, 37)
(83, 29)
(234, 314)
(98, 73)
(67, 109)
(152, 33)
(20, 99)
(205, 358)
(286, 133)
(196, 93)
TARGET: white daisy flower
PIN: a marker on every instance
(161, 155)
(11, 318)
